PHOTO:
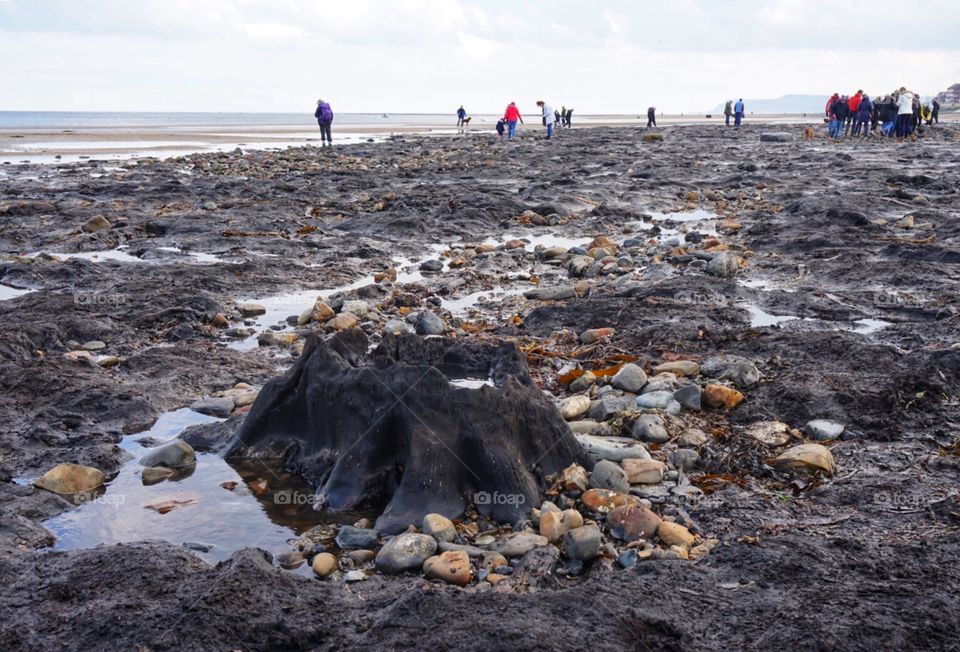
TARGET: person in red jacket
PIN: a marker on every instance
(510, 116)
(853, 104)
(833, 98)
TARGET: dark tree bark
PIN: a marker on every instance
(388, 429)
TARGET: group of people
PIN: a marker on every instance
(736, 110)
(507, 125)
(900, 114)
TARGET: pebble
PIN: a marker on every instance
(214, 407)
(640, 471)
(80, 356)
(684, 458)
(721, 396)
(771, 433)
(738, 370)
(595, 335)
(361, 556)
(574, 478)
(627, 559)
(493, 560)
(405, 551)
(608, 407)
(558, 293)
(678, 368)
(429, 324)
(633, 522)
(354, 537)
(574, 406)
(67, 479)
(650, 428)
(324, 564)
(251, 309)
(726, 264)
(553, 525)
(397, 327)
(603, 500)
(96, 223)
(452, 567)
(583, 382)
(343, 321)
(630, 378)
(609, 475)
(693, 437)
(155, 475)
(109, 361)
(321, 312)
(612, 448)
(582, 543)
(823, 429)
(674, 534)
(93, 345)
(807, 458)
(689, 396)
(356, 307)
(175, 454)
(431, 266)
(354, 576)
(655, 400)
(586, 427)
(518, 544)
(290, 560)
(439, 527)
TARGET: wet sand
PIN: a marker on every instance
(846, 303)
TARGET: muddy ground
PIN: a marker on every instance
(867, 559)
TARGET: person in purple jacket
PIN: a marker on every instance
(324, 116)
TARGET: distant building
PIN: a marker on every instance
(950, 97)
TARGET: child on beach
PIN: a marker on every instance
(501, 127)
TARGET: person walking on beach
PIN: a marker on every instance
(501, 127)
(651, 117)
(838, 112)
(728, 111)
(567, 117)
(888, 115)
(904, 113)
(461, 115)
(935, 106)
(324, 116)
(853, 106)
(738, 110)
(547, 117)
(865, 108)
(511, 116)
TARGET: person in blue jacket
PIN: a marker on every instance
(461, 115)
(738, 110)
(862, 124)
(324, 116)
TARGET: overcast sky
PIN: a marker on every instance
(617, 56)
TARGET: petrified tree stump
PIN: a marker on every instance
(418, 425)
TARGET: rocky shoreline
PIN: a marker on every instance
(755, 339)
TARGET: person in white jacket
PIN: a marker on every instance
(904, 113)
(547, 117)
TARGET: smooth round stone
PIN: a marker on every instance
(350, 537)
(405, 552)
(429, 324)
(823, 429)
(176, 454)
(609, 475)
(628, 558)
(630, 378)
(654, 400)
(689, 396)
(651, 428)
(324, 564)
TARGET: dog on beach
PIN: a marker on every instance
(808, 133)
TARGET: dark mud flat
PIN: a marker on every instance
(846, 303)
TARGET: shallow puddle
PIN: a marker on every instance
(206, 514)
(8, 292)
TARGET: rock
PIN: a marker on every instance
(321, 312)
(612, 448)
(574, 478)
(738, 370)
(350, 537)
(290, 560)
(653, 137)
(582, 543)
(807, 458)
(439, 527)
(214, 407)
(553, 525)
(452, 567)
(650, 428)
(658, 400)
(68, 479)
(251, 309)
(633, 522)
(726, 264)
(603, 500)
(96, 223)
(595, 335)
(641, 471)
(684, 458)
(155, 474)
(209, 206)
(584, 427)
(518, 544)
(693, 437)
(776, 137)
(678, 368)
(397, 327)
(429, 324)
(721, 396)
(81, 356)
(558, 293)
(689, 396)
(356, 307)
(824, 430)
(431, 266)
(609, 475)
(627, 558)
(361, 556)
(93, 345)
(324, 564)
(609, 407)
(704, 549)
(771, 433)
(630, 378)
(674, 534)
(343, 321)
(583, 382)
(174, 455)
(574, 406)
(472, 551)
(354, 576)
(405, 552)
(109, 361)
